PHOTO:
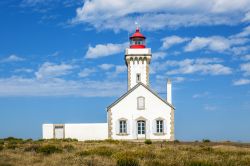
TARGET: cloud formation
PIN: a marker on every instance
(12, 58)
(242, 81)
(51, 70)
(100, 13)
(103, 50)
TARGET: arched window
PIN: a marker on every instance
(140, 103)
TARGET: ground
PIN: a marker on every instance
(97, 153)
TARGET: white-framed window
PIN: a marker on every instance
(138, 77)
(159, 126)
(141, 103)
(141, 127)
(122, 126)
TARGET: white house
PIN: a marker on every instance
(138, 114)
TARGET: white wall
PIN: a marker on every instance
(82, 131)
(154, 108)
(48, 131)
(87, 131)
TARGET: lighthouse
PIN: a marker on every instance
(138, 114)
(137, 58)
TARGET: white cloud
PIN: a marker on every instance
(247, 17)
(201, 95)
(86, 72)
(103, 50)
(200, 66)
(17, 86)
(100, 13)
(158, 55)
(242, 81)
(172, 40)
(12, 58)
(210, 107)
(244, 33)
(246, 57)
(106, 66)
(214, 43)
(245, 68)
(25, 70)
(50, 70)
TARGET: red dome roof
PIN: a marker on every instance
(137, 34)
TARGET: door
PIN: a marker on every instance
(141, 129)
(59, 132)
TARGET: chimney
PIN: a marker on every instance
(169, 91)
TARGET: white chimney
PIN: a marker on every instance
(169, 91)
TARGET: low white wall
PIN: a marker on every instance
(81, 132)
(48, 131)
(87, 131)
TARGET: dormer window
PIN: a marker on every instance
(138, 78)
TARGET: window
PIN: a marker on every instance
(159, 126)
(123, 126)
(141, 127)
(138, 78)
(140, 103)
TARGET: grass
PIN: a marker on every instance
(15, 152)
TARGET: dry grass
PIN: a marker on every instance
(15, 152)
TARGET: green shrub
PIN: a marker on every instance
(112, 141)
(70, 140)
(1, 142)
(206, 140)
(102, 151)
(148, 141)
(13, 140)
(84, 153)
(1, 147)
(32, 148)
(11, 146)
(127, 161)
(69, 148)
(49, 149)
(176, 141)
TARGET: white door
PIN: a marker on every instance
(141, 129)
(59, 132)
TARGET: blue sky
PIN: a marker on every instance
(63, 62)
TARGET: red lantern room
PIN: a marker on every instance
(137, 40)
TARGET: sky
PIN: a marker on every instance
(63, 62)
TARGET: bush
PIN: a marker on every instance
(11, 146)
(176, 141)
(70, 140)
(206, 140)
(13, 140)
(69, 148)
(32, 148)
(102, 151)
(1, 147)
(127, 161)
(49, 149)
(148, 141)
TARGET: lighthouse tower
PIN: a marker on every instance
(137, 59)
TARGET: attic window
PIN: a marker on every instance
(140, 103)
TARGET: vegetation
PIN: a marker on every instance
(15, 152)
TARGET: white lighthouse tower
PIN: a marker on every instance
(137, 60)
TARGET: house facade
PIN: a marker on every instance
(138, 114)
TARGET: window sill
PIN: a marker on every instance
(123, 134)
(159, 134)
